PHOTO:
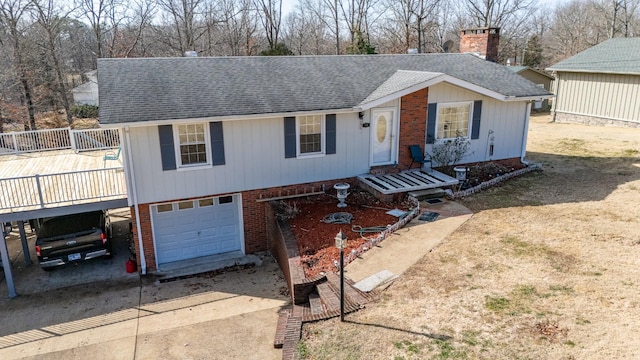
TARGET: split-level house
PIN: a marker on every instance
(206, 141)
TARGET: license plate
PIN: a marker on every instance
(73, 257)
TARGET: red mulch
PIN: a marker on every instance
(316, 239)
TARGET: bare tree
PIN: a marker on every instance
(238, 27)
(127, 31)
(12, 13)
(185, 23)
(271, 16)
(306, 32)
(51, 20)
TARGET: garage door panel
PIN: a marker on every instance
(197, 231)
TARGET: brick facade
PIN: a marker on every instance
(254, 214)
(413, 125)
(483, 41)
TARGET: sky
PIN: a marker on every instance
(287, 5)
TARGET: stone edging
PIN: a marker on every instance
(348, 258)
(492, 182)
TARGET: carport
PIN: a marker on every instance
(23, 217)
(61, 172)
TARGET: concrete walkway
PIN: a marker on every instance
(408, 245)
(230, 315)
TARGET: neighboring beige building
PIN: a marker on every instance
(600, 86)
(537, 77)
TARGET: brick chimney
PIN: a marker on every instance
(481, 41)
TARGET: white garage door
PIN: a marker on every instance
(189, 229)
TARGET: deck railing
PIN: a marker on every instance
(58, 139)
(40, 191)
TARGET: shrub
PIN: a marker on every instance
(84, 111)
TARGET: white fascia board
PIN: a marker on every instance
(454, 81)
(223, 118)
(400, 93)
(555, 70)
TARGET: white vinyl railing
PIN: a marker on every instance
(95, 139)
(39, 191)
(57, 139)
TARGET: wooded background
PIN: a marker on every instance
(47, 45)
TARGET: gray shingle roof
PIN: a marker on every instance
(147, 89)
(619, 55)
(399, 81)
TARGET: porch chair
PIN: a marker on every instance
(111, 155)
(417, 156)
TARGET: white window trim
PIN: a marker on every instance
(176, 145)
(454, 104)
(323, 138)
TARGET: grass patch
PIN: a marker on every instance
(410, 348)
(559, 261)
(302, 349)
(470, 337)
(496, 304)
(448, 351)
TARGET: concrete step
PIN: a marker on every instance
(315, 303)
(329, 298)
(427, 194)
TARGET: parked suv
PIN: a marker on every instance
(73, 238)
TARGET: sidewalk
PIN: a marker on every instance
(408, 245)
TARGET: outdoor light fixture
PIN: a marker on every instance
(341, 243)
(361, 116)
(341, 189)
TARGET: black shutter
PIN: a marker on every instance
(217, 143)
(431, 123)
(475, 124)
(330, 126)
(167, 150)
(290, 137)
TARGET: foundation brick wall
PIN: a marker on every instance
(561, 117)
(254, 212)
(413, 125)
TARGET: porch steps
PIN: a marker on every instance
(406, 181)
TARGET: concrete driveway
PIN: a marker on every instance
(229, 315)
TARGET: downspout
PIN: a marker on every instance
(134, 194)
(556, 87)
(525, 133)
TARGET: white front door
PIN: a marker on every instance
(383, 131)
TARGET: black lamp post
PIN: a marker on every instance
(341, 243)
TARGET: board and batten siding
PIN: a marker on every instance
(506, 119)
(609, 96)
(254, 159)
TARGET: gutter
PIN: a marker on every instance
(134, 193)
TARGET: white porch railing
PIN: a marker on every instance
(39, 191)
(58, 139)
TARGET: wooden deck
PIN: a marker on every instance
(409, 180)
(58, 178)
